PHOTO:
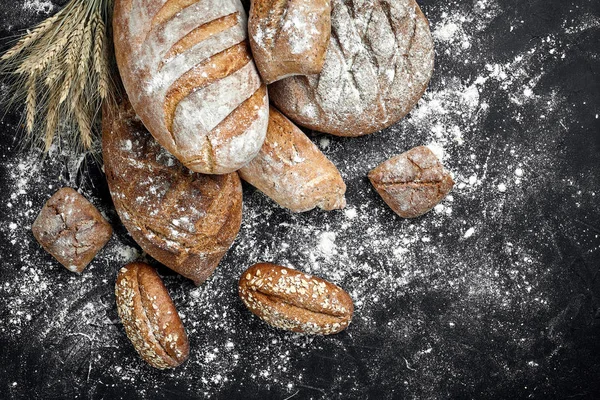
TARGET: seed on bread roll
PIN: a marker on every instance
(289, 37)
(292, 171)
(413, 182)
(150, 317)
(377, 66)
(185, 220)
(290, 300)
(189, 74)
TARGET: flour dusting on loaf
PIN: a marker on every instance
(187, 67)
(378, 64)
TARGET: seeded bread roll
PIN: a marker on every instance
(289, 37)
(292, 171)
(288, 299)
(189, 74)
(185, 220)
(150, 317)
(377, 66)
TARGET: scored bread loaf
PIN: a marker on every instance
(185, 220)
(377, 66)
(189, 74)
(291, 169)
(289, 37)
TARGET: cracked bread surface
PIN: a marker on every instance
(71, 229)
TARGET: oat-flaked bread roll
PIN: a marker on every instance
(185, 220)
(289, 299)
(292, 171)
(378, 64)
(289, 37)
(189, 74)
(149, 316)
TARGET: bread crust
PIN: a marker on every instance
(412, 183)
(289, 299)
(71, 229)
(378, 65)
(149, 317)
(186, 66)
(185, 220)
(292, 171)
(289, 37)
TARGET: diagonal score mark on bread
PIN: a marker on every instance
(204, 74)
(170, 9)
(200, 34)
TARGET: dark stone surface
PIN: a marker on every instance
(509, 312)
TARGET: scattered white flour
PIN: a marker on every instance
(412, 281)
(39, 6)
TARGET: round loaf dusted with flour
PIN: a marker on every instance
(149, 316)
(378, 64)
(185, 220)
(189, 74)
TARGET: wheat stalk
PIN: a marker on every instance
(68, 53)
(30, 103)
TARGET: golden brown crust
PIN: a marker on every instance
(185, 220)
(412, 183)
(71, 229)
(289, 37)
(186, 66)
(292, 171)
(291, 300)
(149, 317)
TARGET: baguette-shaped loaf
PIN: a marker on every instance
(149, 316)
(189, 74)
(185, 220)
(289, 37)
(292, 171)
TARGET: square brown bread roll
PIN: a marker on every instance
(71, 229)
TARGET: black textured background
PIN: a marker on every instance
(483, 354)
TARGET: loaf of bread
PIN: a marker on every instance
(185, 220)
(289, 37)
(71, 229)
(377, 66)
(288, 299)
(187, 68)
(150, 317)
(413, 182)
(291, 170)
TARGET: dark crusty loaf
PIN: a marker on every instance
(71, 229)
(291, 170)
(413, 182)
(189, 74)
(185, 220)
(150, 317)
(291, 300)
(378, 64)
(289, 37)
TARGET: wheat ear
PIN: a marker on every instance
(30, 102)
(100, 57)
(31, 37)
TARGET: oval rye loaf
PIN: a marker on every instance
(185, 220)
(187, 68)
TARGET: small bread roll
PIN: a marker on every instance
(289, 37)
(150, 317)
